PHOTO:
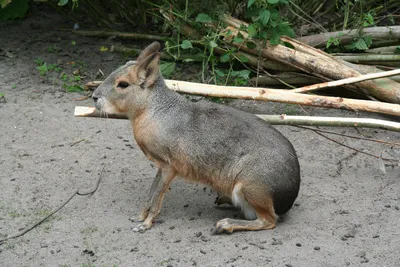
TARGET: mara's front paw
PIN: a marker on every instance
(141, 228)
(137, 218)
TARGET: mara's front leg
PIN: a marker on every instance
(153, 205)
(143, 215)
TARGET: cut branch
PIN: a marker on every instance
(347, 36)
(282, 96)
(347, 81)
(278, 120)
(125, 35)
(322, 65)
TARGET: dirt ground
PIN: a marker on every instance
(347, 212)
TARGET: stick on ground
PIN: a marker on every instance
(54, 211)
(278, 120)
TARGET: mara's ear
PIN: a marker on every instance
(151, 49)
(148, 70)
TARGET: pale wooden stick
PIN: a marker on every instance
(351, 80)
(279, 120)
(283, 96)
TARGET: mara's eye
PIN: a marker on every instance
(123, 85)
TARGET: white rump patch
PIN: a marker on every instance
(240, 202)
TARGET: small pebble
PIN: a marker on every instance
(297, 204)
(202, 251)
(397, 207)
(177, 241)
(171, 227)
(191, 218)
(198, 234)
(135, 249)
(288, 265)
(375, 236)
(276, 242)
(298, 244)
(317, 248)
(245, 247)
(186, 205)
(204, 238)
(387, 206)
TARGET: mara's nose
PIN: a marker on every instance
(95, 98)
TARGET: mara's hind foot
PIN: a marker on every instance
(230, 225)
(257, 205)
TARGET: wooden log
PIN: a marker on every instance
(347, 36)
(277, 120)
(283, 96)
(293, 78)
(320, 64)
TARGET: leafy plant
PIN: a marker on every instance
(267, 23)
(13, 9)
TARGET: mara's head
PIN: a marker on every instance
(130, 84)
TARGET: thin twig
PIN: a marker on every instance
(54, 211)
(352, 136)
(352, 148)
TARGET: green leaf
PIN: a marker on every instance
(42, 69)
(275, 37)
(264, 16)
(238, 40)
(220, 73)
(285, 2)
(213, 44)
(224, 58)
(62, 2)
(186, 44)
(74, 88)
(397, 50)
(368, 20)
(167, 68)
(285, 29)
(250, 3)
(3, 3)
(252, 30)
(272, 2)
(203, 18)
(13, 9)
(251, 45)
(360, 44)
(243, 59)
(242, 74)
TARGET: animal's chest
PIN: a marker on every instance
(147, 137)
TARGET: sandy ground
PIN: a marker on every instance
(347, 212)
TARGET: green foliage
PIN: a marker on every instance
(13, 9)
(267, 23)
(203, 18)
(186, 44)
(70, 82)
(167, 68)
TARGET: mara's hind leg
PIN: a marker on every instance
(256, 203)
